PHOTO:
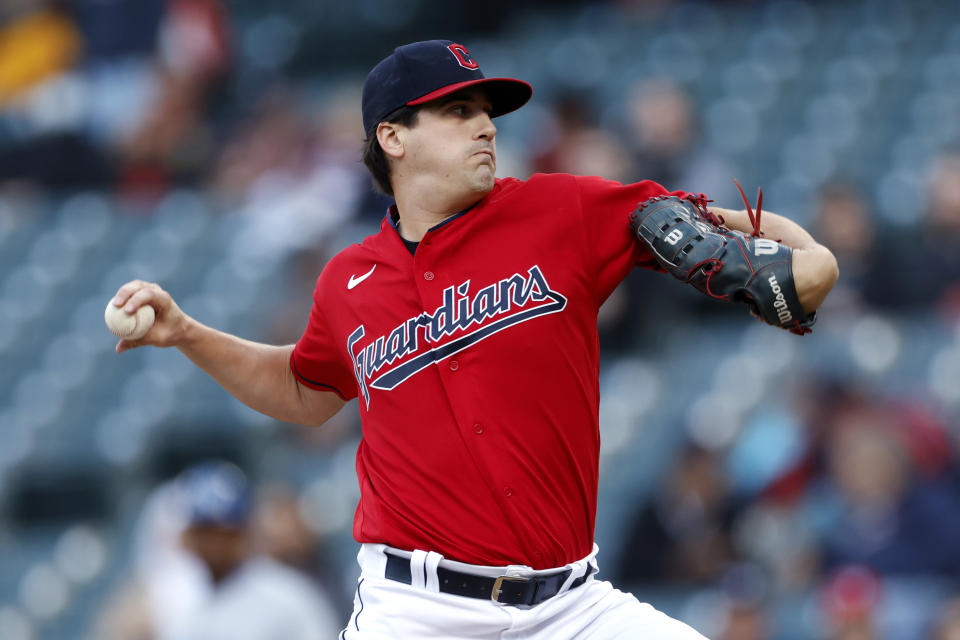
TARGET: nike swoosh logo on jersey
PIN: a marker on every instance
(355, 280)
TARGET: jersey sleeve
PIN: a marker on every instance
(611, 248)
(318, 361)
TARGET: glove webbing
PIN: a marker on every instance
(797, 327)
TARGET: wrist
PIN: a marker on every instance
(189, 332)
(815, 272)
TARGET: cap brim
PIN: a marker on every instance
(506, 94)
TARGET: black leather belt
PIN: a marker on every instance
(513, 590)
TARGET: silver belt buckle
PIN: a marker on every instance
(498, 584)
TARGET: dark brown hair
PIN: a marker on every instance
(373, 156)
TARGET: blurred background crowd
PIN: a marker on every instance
(757, 485)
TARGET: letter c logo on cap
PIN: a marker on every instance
(463, 56)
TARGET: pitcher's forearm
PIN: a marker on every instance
(774, 226)
(258, 375)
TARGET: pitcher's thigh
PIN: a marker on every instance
(616, 615)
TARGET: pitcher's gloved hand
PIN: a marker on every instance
(693, 245)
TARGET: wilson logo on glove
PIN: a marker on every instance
(779, 302)
(764, 247)
(674, 237)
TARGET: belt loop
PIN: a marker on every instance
(577, 569)
(372, 558)
(518, 570)
(418, 564)
(430, 569)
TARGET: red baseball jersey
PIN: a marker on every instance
(476, 365)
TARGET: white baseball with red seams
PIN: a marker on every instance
(129, 326)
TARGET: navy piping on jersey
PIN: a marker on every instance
(356, 618)
(296, 371)
(452, 218)
(394, 223)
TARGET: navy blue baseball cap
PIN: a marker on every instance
(423, 71)
(216, 493)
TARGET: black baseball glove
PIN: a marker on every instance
(692, 244)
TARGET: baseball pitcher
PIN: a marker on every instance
(467, 331)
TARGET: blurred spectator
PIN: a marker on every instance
(300, 179)
(120, 73)
(664, 140)
(194, 41)
(221, 587)
(745, 621)
(39, 46)
(133, 112)
(40, 42)
(943, 217)
(745, 615)
(815, 401)
(875, 473)
(251, 596)
(294, 161)
(848, 603)
(846, 223)
(166, 580)
(682, 534)
(282, 534)
(174, 143)
(574, 144)
(877, 509)
(944, 209)
(775, 529)
(927, 258)
(274, 136)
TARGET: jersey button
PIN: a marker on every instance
(507, 491)
(478, 428)
(454, 365)
(428, 275)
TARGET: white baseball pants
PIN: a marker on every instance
(385, 609)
